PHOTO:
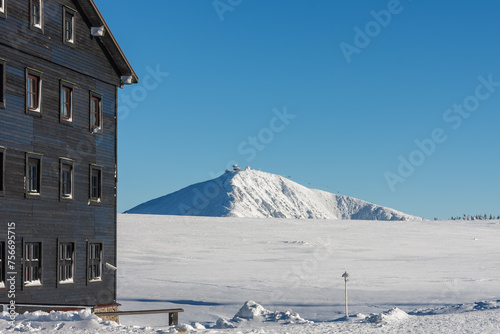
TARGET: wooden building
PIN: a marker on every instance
(60, 70)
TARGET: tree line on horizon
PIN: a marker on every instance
(476, 217)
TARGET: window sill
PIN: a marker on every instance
(33, 284)
(68, 122)
(35, 113)
(96, 280)
(95, 202)
(66, 282)
(66, 198)
(37, 27)
(96, 131)
(33, 195)
(71, 44)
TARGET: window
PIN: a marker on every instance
(66, 100)
(3, 8)
(2, 170)
(2, 264)
(3, 83)
(33, 174)
(95, 183)
(68, 26)
(66, 179)
(95, 112)
(66, 262)
(36, 14)
(33, 92)
(32, 263)
(94, 260)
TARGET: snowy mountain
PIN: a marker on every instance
(256, 194)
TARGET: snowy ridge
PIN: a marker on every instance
(255, 194)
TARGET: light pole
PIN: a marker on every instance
(346, 275)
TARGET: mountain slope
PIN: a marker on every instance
(251, 193)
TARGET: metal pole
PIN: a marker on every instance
(346, 275)
(346, 309)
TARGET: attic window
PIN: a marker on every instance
(68, 26)
(36, 13)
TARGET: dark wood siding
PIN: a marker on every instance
(48, 218)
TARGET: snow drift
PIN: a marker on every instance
(256, 194)
(252, 311)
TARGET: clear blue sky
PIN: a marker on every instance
(356, 83)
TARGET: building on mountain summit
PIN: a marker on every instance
(60, 68)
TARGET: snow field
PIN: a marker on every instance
(211, 266)
(277, 276)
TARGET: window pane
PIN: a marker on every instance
(35, 12)
(66, 102)
(68, 27)
(95, 264)
(95, 184)
(36, 252)
(32, 92)
(32, 262)
(95, 112)
(33, 175)
(66, 253)
(66, 180)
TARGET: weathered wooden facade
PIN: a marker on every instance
(60, 68)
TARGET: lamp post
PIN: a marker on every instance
(346, 275)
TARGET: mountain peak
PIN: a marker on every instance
(257, 194)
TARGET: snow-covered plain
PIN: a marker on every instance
(434, 273)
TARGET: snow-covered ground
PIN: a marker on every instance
(255, 194)
(406, 277)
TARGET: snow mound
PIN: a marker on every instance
(73, 322)
(254, 312)
(460, 308)
(255, 194)
(386, 317)
(36, 321)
